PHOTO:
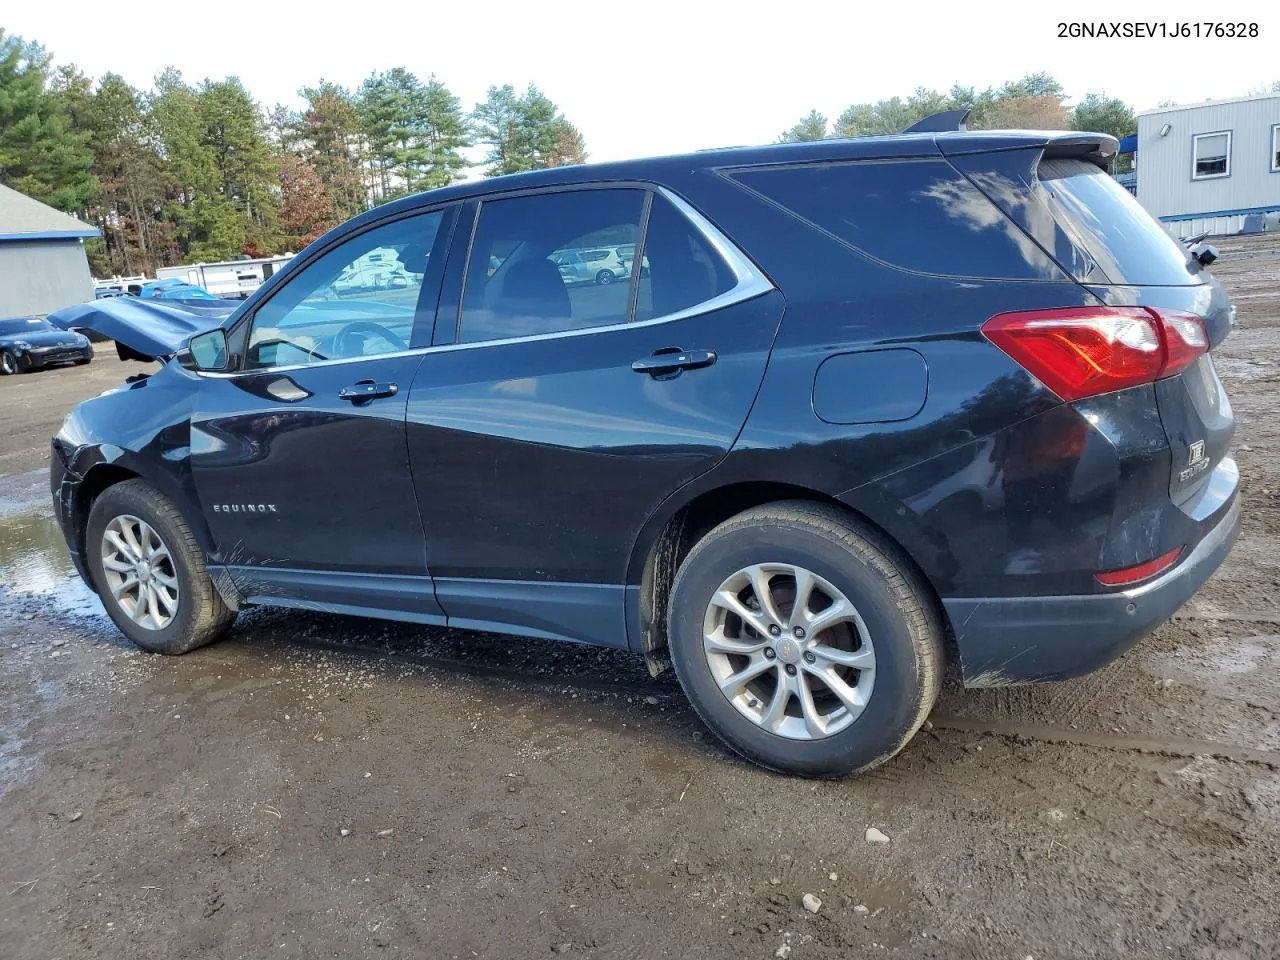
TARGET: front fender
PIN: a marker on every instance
(141, 429)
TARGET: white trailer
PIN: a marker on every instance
(229, 278)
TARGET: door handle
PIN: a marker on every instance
(672, 360)
(365, 390)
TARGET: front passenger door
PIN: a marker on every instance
(299, 456)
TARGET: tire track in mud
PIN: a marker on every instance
(1159, 746)
(1009, 729)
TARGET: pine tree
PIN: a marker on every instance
(525, 133)
(41, 154)
(131, 173)
(416, 132)
(328, 138)
(223, 164)
(812, 126)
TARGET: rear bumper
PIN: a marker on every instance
(1012, 640)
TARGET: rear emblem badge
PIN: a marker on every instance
(1197, 462)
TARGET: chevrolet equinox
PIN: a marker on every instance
(875, 406)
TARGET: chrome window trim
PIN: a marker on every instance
(750, 283)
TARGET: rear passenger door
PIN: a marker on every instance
(555, 412)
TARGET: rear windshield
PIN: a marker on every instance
(1104, 220)
(919, 215)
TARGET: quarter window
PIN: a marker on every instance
(678, 267)
(1212, 152)
(358, 300)
(919, 215)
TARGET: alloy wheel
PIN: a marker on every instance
(140, 573)
(789, 650)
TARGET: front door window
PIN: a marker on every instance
(359, 300)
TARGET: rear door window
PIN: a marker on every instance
(527, 276)
(553, 263)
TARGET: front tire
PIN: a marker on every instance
(804, 640)
(8, 363)
(149, 571)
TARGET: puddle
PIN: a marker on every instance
(34, 562)
(1241, 676)
(1233, 667)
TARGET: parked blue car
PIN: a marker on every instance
(32, 343)
(174, 289)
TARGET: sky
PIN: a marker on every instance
(640, 79)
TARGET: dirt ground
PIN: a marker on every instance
(319, 786)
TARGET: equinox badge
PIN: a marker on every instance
(1197, 462)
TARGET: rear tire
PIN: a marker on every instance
(141, 518)
(605, 277)
(880, 642)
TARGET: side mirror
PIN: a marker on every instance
(204, 351)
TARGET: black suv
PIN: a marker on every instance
(872, 406)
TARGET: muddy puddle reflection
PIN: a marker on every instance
(34, 563)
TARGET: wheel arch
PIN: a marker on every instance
(672, 531)
(104, 467)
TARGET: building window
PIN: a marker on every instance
(1212, 155)
(1275, 148)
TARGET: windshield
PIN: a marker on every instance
(19, 325)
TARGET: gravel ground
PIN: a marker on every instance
(319, 786)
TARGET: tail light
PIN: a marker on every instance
(1143, 571)
(1184, 340)
(1080, 352)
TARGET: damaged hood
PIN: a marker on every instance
(150, 328)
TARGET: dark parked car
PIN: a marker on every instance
(32, 343)
(875, 405)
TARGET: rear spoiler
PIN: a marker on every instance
(1096, 148)
(1099, 148)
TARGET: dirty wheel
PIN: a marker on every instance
(149, 571)
(807, 643)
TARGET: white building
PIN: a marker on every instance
(1212, 166)
(227, 278)
(43, 267)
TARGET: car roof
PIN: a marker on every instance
(893, 146)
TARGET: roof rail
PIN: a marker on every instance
(940, 122)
